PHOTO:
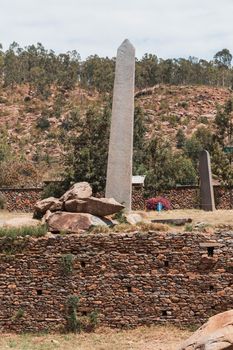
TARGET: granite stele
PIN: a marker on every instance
(206, 186)
(119, 171)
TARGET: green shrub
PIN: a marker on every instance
(93, 319)
(188, 228)
(54, 190)
(86, 322)
(43, 123)
(120, 217)
(173, 120)
(18, 315)
(183, 104)
(67, 264)
(3, 99)
(73, 323)
(203, 119)
(2, 202)
(14, 232)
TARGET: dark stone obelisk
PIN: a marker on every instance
(206, 186)
(119, 171)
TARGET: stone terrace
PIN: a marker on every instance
(130, 279)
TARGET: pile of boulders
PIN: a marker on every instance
(77, 210)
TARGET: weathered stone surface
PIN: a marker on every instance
(103, 206)
(134, 219)
(216, 334)
(79, 190)
(51, 203)
(72, 222)
(206, 186)
(75, 206)
(95, 206)
(46, 216)
(119, 171)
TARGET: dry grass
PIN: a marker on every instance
(140, 227)
(216, 218)
(142, 338)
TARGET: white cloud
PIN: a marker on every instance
(169, 28)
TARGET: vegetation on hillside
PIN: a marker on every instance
(55, 115)
(164, 165)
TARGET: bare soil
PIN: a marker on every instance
(14, 219)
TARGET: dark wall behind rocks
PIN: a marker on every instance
(129, 279)
(188, 197)
(183, 197)
(24, 199)
(21, 199)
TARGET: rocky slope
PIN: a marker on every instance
(188, 107)
(167, 109)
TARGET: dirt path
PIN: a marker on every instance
(16, 219)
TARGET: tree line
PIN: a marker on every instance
(42, 68)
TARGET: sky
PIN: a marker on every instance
(167, 28)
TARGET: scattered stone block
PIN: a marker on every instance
(51, 203)
(216, 334)
(75, 206)
(95, 206)
(134, 219)
(79, 190)
(73, 222)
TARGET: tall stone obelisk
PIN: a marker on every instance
(119, 171)
(206, 186)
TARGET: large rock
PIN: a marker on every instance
(73, 222)
(216, 334)
(79, 190)
(95, 206)
(75, 206)
(51, 203)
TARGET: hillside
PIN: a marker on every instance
(36, 129)
(188, 107)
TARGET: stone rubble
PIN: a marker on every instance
(76, 210)
(73, 222)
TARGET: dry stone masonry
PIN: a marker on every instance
(23, 200)
(129, 279)
(20, 199)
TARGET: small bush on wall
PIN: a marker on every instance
(152, 203)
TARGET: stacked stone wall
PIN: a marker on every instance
(129, 279)
(183, 197)
(189, 197)
(21, 199)
(24, 199)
